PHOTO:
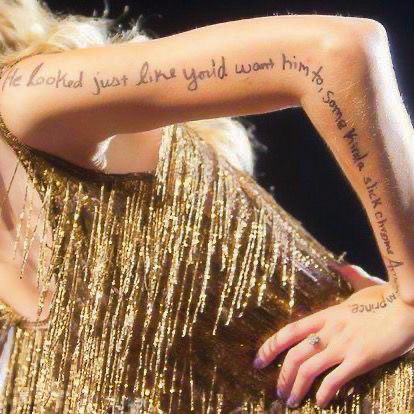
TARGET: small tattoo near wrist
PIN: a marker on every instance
(376, 306)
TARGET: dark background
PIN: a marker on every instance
(297, 167)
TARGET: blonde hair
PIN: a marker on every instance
(29, 27)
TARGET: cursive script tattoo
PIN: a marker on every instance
(111, 82)
(58, 80)
(146, 74)
(218, 69)
(373, 307)
(12, 79)
(349, 134)
(36, 78)
(359, 157)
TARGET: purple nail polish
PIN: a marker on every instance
(292, 402)
(258, 362)
(281, 394)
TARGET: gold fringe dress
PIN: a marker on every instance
(167, 283)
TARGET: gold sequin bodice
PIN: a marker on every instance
(167, 283)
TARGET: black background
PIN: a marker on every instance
(297, 167)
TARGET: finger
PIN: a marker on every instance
(294, 359)
(331, 384)
(287, 336)
(356, 276)
(308, 371)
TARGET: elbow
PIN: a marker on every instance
(368, 28)
(354, 43)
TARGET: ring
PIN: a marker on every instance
(313, 339)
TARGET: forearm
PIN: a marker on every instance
(359, 112)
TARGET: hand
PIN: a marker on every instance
(368, 329)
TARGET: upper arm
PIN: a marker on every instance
(234, 68)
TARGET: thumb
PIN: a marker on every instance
(355, 275)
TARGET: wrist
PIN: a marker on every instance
(406, 298)
(391, 288)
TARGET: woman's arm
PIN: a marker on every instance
(356, 106)
(353, 100)
(338, 68)
(227, 69)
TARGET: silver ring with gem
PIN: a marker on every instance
(313, 339)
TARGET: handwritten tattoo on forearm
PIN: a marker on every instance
(145, 75)
(59, 80)
(359, 157)
(220, 69)
(349, 134)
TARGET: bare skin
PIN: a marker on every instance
(22, 293)
(338, 69)
(133, 152)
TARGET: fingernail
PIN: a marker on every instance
(322, 405)
(258, 362)
(292, 402)
(281, 394)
